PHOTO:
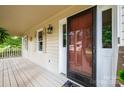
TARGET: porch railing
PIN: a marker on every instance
(10, 52)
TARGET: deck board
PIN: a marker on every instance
(44, 76)
(1, 73)
(6, 75)
(24, 76)
(30, 73)
(12, 79)
(20, 72)
(18, 78)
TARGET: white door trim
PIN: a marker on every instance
(62, 57)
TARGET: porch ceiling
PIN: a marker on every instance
(17, 19)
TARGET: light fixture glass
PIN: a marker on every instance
(49, 29)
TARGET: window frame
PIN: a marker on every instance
(37, 41)
(25, 42)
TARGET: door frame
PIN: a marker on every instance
(61, 22)
(90, 81)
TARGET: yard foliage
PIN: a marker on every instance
(11, 42)
(121, 76)
(7, 41)
(3, 35)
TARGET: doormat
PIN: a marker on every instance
(70, 84)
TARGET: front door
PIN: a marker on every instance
(81, 47)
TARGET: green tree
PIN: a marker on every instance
(7, 41)
(11, 42)
(3, 35)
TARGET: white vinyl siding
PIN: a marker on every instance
(122, 35)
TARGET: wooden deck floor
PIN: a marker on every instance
(20, 72)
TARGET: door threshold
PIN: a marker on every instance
(76, 83)
(64, 75)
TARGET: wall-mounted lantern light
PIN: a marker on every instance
(50, 29)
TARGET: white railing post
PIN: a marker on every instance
(6, 52)
(2, 52)
(18, 51)
(9, 52)
(15, 52)
(12, 52)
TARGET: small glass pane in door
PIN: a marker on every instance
(64, 35)
(107, 28)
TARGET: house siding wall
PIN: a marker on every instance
(122, 35)
(51, 41)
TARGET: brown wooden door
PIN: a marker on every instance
(80, 47)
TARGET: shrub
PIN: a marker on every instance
(121, 76)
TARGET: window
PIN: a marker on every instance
(64, 35)
(40, 40)
(107, 28)
(25, 40)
